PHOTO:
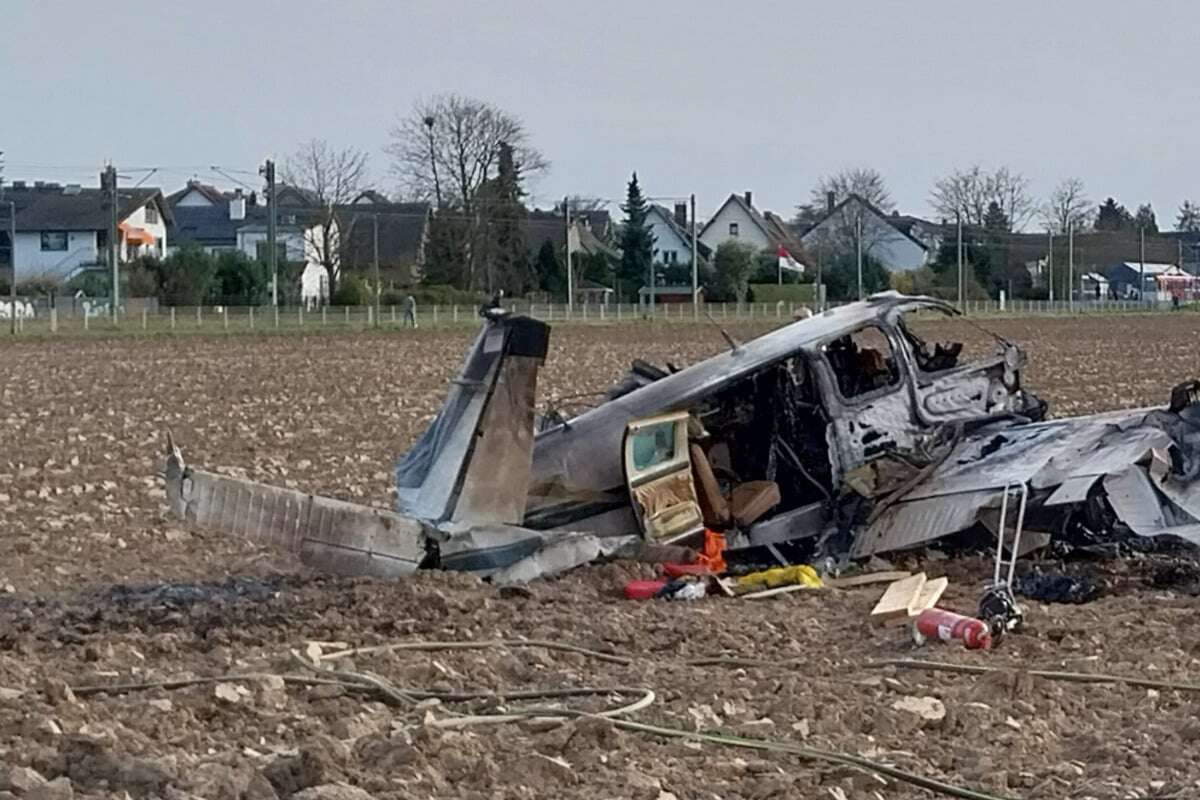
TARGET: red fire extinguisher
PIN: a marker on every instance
(936, 623)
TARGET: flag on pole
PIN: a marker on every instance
(786, 262)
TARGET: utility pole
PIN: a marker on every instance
(857, 252)
(12, 260)
(696, 271)
(820, 300)
(1070, 266)
(109, 184)
(1142, 265)
(375, 246)
(961, 307)
(268, 172)
(570, 264)
(1050, 264)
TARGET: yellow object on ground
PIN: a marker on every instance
(799, 574)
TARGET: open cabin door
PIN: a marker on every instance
(658, 471)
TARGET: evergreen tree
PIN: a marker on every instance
(1113, 217)
(549, 271)
(1144, 219)
(445, 256)
(510, 255)
(1189, 217)
(636, 240)
(734, 263)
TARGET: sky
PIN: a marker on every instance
(699, 97)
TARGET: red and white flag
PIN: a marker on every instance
(786, 262)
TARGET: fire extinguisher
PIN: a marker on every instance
(936, 623)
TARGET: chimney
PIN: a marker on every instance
(681, 215)
(830, 202)
(237, 206)
(750, 199)
(253, 201)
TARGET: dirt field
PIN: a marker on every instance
(99, 586)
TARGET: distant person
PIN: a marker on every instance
(496, 304)
(410, 311)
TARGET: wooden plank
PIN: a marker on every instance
(866, 579)
(898, 598)
(928, 597)
(794, 587)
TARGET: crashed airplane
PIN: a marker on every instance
(844, 434)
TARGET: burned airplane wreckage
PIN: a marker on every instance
(843, 433)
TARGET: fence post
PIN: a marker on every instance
(276, 316)
(393, 315)
(54, 312)
(724, 310)
(251, 317)
(370, 316)
(225, 317)
(300, 315)
(454, 313)
(347, 314)
(54, 320)
(435, 316)
(199, 312)
(324, 316)
(172, 318)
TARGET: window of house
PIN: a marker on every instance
(863, 362)
(670, 257)
(151, 214)
(54, 240)
(733, 229)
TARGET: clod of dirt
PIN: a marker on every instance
(91, 765)
(20, 780)
(57, 789)
(333, 791)
(1180, 577)
(289, 775)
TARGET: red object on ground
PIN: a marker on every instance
(644, 590)
(679, 570)
(936, 623)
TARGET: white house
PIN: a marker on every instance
(62, 230)
(298, 237)
(883, 238)
(738, 220)
(672, 236)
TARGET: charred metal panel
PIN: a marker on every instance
(910, 523)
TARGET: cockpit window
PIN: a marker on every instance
(863, 362)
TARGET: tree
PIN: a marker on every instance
(734, 263)
(1144, 219)
(550, 274)
(509, 255)
(865, 182)
(1189, 217)
(1112, 217)
(332, 177)
(185, 277)
(636, 240)
(239, 279)
(1067, 206)
(841, 277)
(969, 192)
(447, 150)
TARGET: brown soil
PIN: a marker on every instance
(98, 585)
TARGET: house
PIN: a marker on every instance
(738, 220)
(589, 292)
(1155, 278)
(673, 238)
(1093, 285)
(400, 229)
(884, 237)
(64, 230)
(215, 220)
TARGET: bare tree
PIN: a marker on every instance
(447, 149)
(865, 182)
(969, 192)
(1068, 205)
(330, 177)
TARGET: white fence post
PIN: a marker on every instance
(251, 317)
(172, 318)
(435, 316)
(199, 314)
(225, 317)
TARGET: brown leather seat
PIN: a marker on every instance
(753, 499)
(747, 502)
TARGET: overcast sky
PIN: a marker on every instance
(702, 96)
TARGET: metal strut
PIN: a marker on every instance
(998, 605)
